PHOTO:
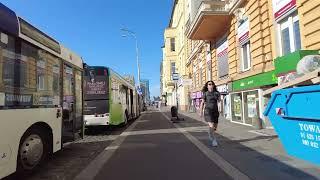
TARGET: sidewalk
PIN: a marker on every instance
(247, 149)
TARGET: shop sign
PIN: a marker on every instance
(255, 81)
(193, 95)
(287, 77)
(185, 82)
(281, 7)
(223, 88)
(243, 32)
(199, 94)
(288, 63)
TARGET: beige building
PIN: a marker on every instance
(174, 57)
(244, 46)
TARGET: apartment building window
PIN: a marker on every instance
(289, 33)
(222, 57)
(244, 42)
(245, 56)
(173, 44)
(173, 67)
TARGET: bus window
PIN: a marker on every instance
(7, 54)
(14, 76)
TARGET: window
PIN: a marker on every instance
(29, 76)
(14, 65)
(173, 67)
(173, 44)
(236, 107)
(289, 33)
(41, 73)
(245, 56)
(68, 81)
(56, 79)
(222, 58)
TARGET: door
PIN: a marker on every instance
(68, 108)
(131, 104)
(78, 123)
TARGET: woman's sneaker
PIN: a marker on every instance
(214, 143)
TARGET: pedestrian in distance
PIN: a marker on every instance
(209, 109)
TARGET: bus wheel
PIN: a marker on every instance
(33, 150)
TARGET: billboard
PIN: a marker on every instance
(96, 88)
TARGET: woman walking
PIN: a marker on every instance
(209, 108)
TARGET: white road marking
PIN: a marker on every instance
(233, 172)
(91, 171)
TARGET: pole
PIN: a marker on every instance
(138, 64)
(177, 95)
(133, 34)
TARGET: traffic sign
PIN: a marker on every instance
(175, 76)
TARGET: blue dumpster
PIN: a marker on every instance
(295, 115)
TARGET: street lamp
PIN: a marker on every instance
(133, 34)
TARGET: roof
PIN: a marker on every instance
(172, 12)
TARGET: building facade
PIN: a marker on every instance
(145, 89)
(174, 57)
(242, 53)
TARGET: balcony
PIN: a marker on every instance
(208, 19)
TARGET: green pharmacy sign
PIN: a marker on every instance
(263, 79)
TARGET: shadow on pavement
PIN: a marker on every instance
(253, 161)
(67, 163)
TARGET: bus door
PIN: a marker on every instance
(78, 123)
(131, 104)
(72, 104)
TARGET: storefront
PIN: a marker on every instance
(247, 101)
(224, 105)
(196, 100)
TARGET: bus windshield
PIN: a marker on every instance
(96, 91)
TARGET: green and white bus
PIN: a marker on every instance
(109, 99)
(40, 95)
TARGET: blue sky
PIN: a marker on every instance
(92, 30)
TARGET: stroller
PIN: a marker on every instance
(174, 114)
